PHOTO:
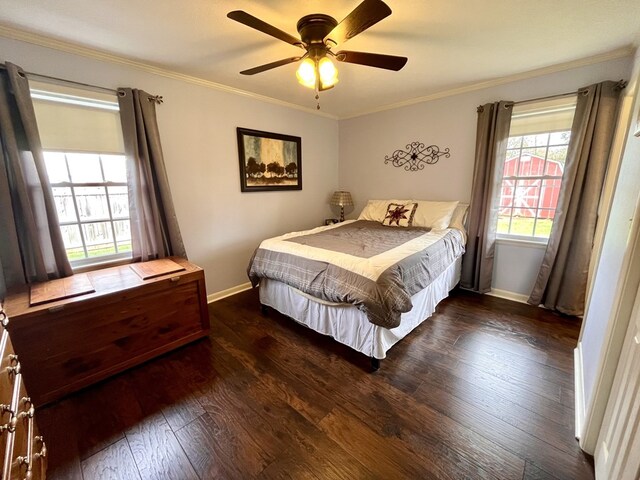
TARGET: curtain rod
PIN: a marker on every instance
(72, 82)
(548, 97)
(584, 90)
(64, 80)
(152, 98)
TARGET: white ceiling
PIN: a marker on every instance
(449, 43)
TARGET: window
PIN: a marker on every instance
(83, 152)
(90, 192)
(533, 168)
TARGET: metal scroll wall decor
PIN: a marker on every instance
(415, 156)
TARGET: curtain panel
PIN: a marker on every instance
(561, 284)
(31, 244)
(492, 134)
(154, 226)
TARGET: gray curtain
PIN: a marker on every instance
(494, 120)
(31, 245)
(154, 227)
(561, 284)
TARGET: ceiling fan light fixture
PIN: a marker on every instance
(322, 72)
(327, 72)
(319, 33)
(306, 73)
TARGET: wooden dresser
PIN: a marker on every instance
(23, 449)
(69, 344)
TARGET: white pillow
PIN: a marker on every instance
(376, 210)
(459, 217)
(435, 215)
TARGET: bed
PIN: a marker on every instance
(367, 282)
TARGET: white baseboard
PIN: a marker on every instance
(516, 297)
(214, 297)
(579, 389)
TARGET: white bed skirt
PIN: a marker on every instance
(350, 326)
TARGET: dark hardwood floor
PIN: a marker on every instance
(483, 389)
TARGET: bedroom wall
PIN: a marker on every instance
(450, 122)
(220, 225)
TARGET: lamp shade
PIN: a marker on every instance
(341, 199)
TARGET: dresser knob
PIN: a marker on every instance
(175, 279)
(27, 413)
(9, 427)
(43, 451)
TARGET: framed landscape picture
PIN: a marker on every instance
(269, 161)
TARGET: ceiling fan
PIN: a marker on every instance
(320, 33)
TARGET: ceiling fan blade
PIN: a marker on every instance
(390, 62)
(253, 22)
(269, 66)
(368, 13)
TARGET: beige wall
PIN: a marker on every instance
(220, 225)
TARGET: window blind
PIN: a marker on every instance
(77, 120)
(543, 116)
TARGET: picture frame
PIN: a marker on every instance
(269, 161)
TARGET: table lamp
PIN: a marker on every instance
(341, 199)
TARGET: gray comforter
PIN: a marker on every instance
(375, 267)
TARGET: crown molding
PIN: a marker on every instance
(560, 67)
(75, 49)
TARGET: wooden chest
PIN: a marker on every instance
(72, 343)
(21, 446)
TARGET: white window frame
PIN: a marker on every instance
(100, 259)
(541, 178)
(548, 115)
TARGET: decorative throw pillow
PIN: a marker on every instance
(376, 210)
(400, 215)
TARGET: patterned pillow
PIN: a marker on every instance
(400, 215)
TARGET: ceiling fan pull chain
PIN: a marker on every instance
(317, 98)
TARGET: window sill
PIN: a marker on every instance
(522, 242)
(100, 265)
